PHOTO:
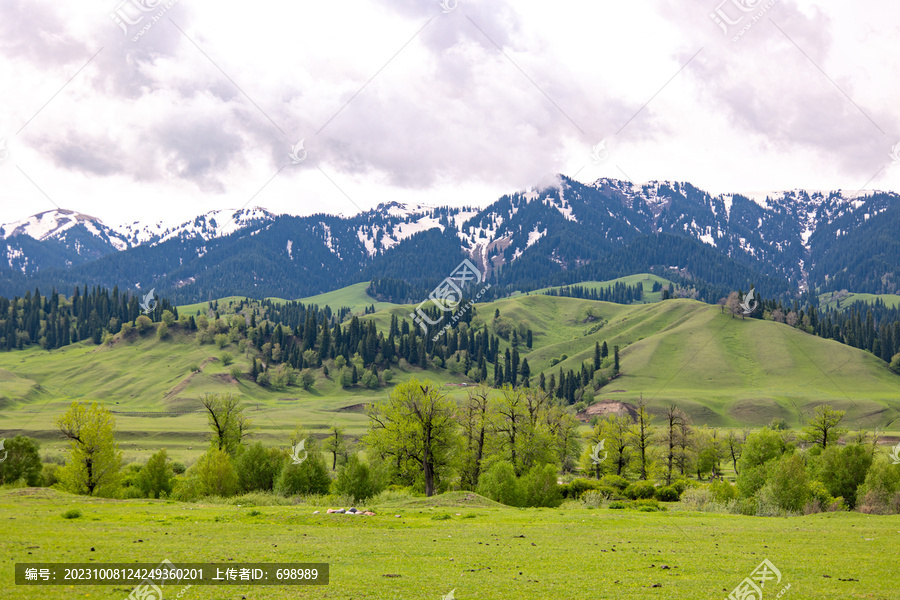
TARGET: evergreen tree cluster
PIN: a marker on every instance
(54, 321)
(619, 293)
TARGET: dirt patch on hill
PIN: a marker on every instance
(604, 408)
(354, 408)
(226, 377)
(184, 382)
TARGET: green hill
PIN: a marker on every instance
(846, 300)
(646, 279)
(353, 296)
(723, 371)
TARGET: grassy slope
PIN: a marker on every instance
(481, 551)
(646, 279)
(724, 371)
(353, 296)
(891, 300)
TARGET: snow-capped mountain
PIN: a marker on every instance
(571, 232)
(211, 225)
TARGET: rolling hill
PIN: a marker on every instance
(724, 371)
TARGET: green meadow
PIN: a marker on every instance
(457, 541)
(723, 371)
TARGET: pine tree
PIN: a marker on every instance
(597, 357)
(604, 350)
(526, 373)
(616, 360)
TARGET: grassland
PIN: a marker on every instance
(828, 300)
(646, 279)
(457, 542)
(725, 372)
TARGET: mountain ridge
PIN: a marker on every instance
(526, 239)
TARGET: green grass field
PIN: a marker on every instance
(891, 300)
(353, 297)
(725, 372)
(646, 279)
(457, 542)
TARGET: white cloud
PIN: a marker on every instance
(156, 129)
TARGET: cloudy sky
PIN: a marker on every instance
(163, 109)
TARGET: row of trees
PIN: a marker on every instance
(54, 321)
(509, 445)
(619, 292)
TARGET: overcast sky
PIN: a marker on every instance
(414, 101)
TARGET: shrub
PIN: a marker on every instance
(156, 479)
(618, 505)
(214, 474)
(539, 487)
(640, 489)
(143, 324)
(22, 461)
(577, 487)
(880, 493)
(758, 457)
(682, 484)
(722, 491)
(592, 499)
(227, 358)
(162, 332)
(696, 498)
(178, 467)
(370, 380)
(499, 483)
(258, 468)
(307, 379)
(843, 470)
(194, 367)
(615, 481)
(48, 475)
(387, 375)
(309, 477)
(789, 485)
(345, 377)
(667, 494)
(72, 513)
(236, 372)
(357, 480)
